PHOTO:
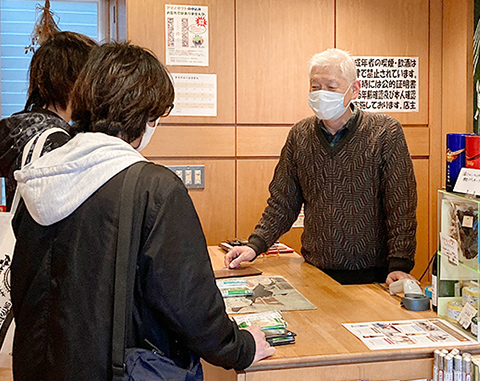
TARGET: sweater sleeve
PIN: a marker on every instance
(399, 190)
(180, 285)
(284, 203)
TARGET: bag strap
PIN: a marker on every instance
(38, 141)
(128, 241)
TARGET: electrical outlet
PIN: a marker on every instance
(179, 173)
(198, 177)
(188, 177)
(193, 176)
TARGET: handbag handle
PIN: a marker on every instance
(128, 241)
(38, 142)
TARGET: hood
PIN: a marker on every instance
(56, 184)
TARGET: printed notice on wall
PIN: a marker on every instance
(186, 34)
(195, 94)
(388, 84)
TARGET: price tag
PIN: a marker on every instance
(468, 181)
(449, 248)
(466, 315)
(467, 222)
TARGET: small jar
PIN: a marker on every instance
(474, 326)
(453, 310)
(470, 295)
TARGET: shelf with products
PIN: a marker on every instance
(457, 265)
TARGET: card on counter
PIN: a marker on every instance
(238, 272)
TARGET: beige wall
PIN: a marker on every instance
(259, 50)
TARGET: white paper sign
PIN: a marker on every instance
(195, 94)
(299, 221)
(449, 248)
(468, 181)
(186, 34)
(466, 315)
(388, 84)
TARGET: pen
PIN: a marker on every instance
(226, 293)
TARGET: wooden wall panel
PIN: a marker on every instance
(253, 177)
(261, 141)
(418, 140)
(215, 204)
(275, 40)
(437, 147)
(388, 28)
(146, 27)
(189, 141)
(423, 217)
(457, 66)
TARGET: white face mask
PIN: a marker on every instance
(147, 135)
(327, 105)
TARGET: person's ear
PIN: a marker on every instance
(355, 89)
(136, 143)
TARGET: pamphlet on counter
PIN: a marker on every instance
(409, 334)
(261, 294)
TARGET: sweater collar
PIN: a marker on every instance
(351, 126)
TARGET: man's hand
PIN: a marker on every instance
(262, 347)
(237, 255)
(396, 275)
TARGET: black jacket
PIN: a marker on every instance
(16, 131)
(62, 281)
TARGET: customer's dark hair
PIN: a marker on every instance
(120, 89)
(55, 67)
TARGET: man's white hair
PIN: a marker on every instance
(335, 58)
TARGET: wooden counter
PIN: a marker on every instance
(324, 349)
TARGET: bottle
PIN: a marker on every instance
(3, 201)
(434, 284)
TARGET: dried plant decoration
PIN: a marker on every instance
(44, 28)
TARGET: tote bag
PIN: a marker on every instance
(7, 245)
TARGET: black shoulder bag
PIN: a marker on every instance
(136, 364)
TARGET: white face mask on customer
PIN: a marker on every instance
(327, 105)
(147, 135)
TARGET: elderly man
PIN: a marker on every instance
(353, 173)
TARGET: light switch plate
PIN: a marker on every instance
(193, 176)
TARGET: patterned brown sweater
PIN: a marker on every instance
(359, 196)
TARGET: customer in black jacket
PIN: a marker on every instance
(53, 70)
(66, 229)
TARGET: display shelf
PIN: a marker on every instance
(458, 266)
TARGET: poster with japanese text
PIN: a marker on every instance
(195, 94)
(186, 34)
(388, 84)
